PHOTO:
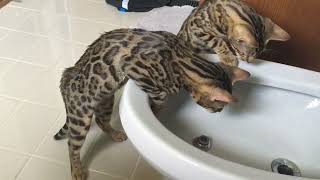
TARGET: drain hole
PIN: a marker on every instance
(202, 142)
(284, 169)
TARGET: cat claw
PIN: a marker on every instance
(119, 136)
(78, 176)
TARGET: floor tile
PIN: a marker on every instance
(94, 11)
(3, 33)
(32, 83)
(46, 24)
(129, 20)
(79, 49)
(98, 1)
(11, 163)
(27, 128)
(144, 171)
(58, 150)
(85, 31)
(7, 107)
(99, 176)
(5, 66)
(117, 159)
(40, 169)
(12, 17)
(32, 49)
(56, 6)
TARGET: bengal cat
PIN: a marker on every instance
(159, 63)
(231, 29)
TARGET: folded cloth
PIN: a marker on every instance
(165, 19)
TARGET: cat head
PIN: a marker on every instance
(250, 32)
(247, 43)
(247, 32)
(213, 95)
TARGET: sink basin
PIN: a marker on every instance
(277, 116)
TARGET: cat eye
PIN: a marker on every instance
(239, 41)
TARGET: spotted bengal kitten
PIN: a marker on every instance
(231, 29)
(158, 62)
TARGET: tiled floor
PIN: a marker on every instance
(38, 38)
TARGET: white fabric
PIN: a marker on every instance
(125, 4)
(165, 19)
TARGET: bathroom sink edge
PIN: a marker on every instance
(205, 166)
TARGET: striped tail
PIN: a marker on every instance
(62, 133)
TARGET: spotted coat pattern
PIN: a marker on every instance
(158, 62)
(208, 30)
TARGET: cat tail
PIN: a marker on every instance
(62, 133)
(67, 75)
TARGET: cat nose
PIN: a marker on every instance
(219, 110)
(250, 59)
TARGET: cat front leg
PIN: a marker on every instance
(226, 53)
(157, 101)
(229, 59)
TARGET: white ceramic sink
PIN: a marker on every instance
(277, 116)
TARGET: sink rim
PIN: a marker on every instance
(160, 139)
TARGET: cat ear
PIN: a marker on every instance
(238, 74)
(243, 33)
(222, 95)
(201, 2)
(274, 32)
(235, 73)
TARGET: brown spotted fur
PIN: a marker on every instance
(231, 29)
(158, 62)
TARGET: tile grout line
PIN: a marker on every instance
(5, 36)
(91, 148)
(13, 110)
(107, 174)
(22, 61)
(71, 17)
(29, 102)
(135, 168)
(24, 166)
(32, 34)
(69, 27)
(48, 134)
(43, 36)
(12, 114)
(3, 148)
(25, 8)
(37, 148)
(33, 155)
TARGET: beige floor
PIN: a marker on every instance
(38, 39)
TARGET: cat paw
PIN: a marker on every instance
(77, 175)
(119, 136)
(231, 62)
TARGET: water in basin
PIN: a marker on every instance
(267, 123)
